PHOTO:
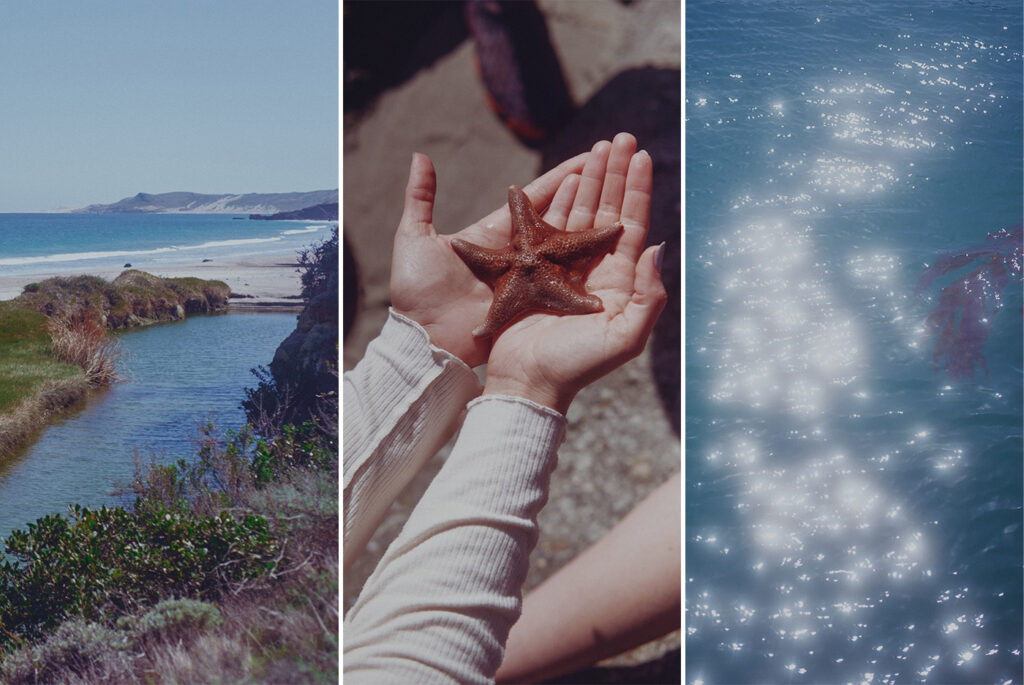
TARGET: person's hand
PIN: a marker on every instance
(430, 284)
(548, 358)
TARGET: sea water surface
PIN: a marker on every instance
(69, 243)
(853, 510)
(178, 375)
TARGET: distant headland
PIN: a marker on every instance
(327, 211)
(199, 203)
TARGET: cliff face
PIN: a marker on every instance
(304, 367)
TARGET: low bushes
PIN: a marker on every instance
(100, 564)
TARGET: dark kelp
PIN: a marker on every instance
(961, 321)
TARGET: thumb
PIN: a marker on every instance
(419, 195)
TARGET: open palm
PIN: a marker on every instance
(548, 358)
(429, 283)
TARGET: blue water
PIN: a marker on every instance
(70, 243)
(852, 513)
(179, 374)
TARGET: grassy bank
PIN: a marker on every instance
(34, 383)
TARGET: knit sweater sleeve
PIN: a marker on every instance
(401, 403)
(440, 604)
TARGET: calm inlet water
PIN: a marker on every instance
(853, 511)
(180, 374)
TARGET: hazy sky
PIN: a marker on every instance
(103, 99)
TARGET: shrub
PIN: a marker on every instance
(318, 265)
(172, 619)
(78, 647)
(101, 563)
(82, 339)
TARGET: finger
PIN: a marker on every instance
(649, 298)
(540, 191)
(558, 210)
(636, 206)
(419, 196)
(589, 194)
(623, 147)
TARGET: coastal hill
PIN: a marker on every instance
(327, 211)
(198, 203)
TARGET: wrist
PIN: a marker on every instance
(539, 393)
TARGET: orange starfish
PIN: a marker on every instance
(542, 269)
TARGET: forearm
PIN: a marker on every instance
(439, 606)
(401, 403)
(619, 593)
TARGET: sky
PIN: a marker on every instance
(104, 99)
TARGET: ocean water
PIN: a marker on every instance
(853, 510)
(179, 375)
(71, 243)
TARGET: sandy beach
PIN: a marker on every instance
(270, 280)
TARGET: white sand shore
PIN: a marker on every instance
(268, 279)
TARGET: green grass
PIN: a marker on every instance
(25, 360)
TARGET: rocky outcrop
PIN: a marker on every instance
(135, 298)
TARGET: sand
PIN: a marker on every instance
(271, 281)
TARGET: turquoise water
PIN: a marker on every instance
(179, 375)
(853, 511)
(45, 243)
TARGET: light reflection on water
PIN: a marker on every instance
(852, 516)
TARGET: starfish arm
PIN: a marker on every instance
(566, 248)
(486, 264)
(554, 293)
(528, 227)
(512, 296)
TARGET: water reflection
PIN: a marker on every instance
(851, 517)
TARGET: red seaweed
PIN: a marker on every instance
(962, 319)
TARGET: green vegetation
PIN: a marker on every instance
(227, 561)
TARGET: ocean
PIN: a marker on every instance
(74, 243)
(853, 342)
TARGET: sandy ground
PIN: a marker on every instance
(621, 62)
(269, 280)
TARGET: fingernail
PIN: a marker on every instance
(644, 152)
(659, 256)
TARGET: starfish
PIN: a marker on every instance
(542, 269)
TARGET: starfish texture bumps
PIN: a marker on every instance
(541, 270)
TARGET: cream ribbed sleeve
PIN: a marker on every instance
(440, 604)
(401, 403)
